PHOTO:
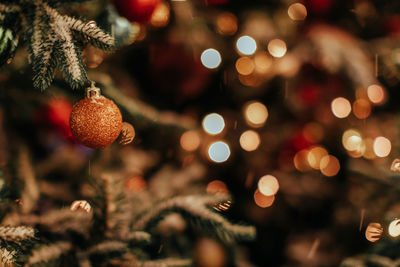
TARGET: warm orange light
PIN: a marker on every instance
(262, 62)
(394, 228)
(341, 107)
(315, 155)
(297, 11)
(255, 113)
(374, 232)
(369, 149)
(263, 201)
(244, 65)
(352, 140)
(135, 184)
(268, 185)
(361, 108)
(300, 161)
(288, 65)
(227, 23)
(376, 94)
(277, 48)
(160, 16)
(313, 132)
(251, 80)
(249, 140)
(382, 146)
(329, 165)
(216, 186)
(190, 140)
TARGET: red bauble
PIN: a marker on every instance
(309, 94)
(95, 121)
(319, 6)
(136, 10)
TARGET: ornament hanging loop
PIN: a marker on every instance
(92, 91)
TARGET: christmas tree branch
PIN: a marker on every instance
(16, 234)
(7, 257)
(169, 262)
(47, 253)
(195, 208)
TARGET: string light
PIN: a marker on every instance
(210, 58)
(341, 107)
(160, 16)
(373, 232)
(135, 184)
(249, 140)
(263, 201)
(246, 45)
(300, 161)
(213, 123)
(361, 108)
(219, 152)
(297, 11)
(262, 62)
(382, 146)
(268, 185)
(277, 48)
(352, 140)
(255, 113)
(190, 140)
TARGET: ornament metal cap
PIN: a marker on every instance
(92, 91)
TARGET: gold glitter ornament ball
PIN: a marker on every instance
(95, 121)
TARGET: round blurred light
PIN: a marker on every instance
(382, 146)
(329, 165)
(262, 61)
(300, 161)
(160, 16)
(219, 151)
(216, 186)
(227, 23)
(394, 228)
(246, 45)
(277, 48)
(244, 65)
(315, 155)
(135, 184)
(361, 108)
(249, 140)
(255, 113)
(210, 58)
(376, 94)
(341, 107)
(190, 140)
(213, 123)
(297, 11)
(352, 140)
(268, 185)
(263, 201)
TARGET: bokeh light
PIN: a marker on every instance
(376, 94)
(262, 61)
(263, 201)
(249, 140)
(268, 185)
(160, 16)
(255, 113)
(226, 23)
(213, 123)
(277, 48)
(135, 184)
(352, 140)
(219, 152)
(382, 146)
(297, 11)
(210, 58)
(329, 165)
(246, 45)
(190, 140)
(361, 108)
(394, 228)
(315, 155)
(300, 161)
(373, 232)
(244, 65)
(341, 107)
(216, 186)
